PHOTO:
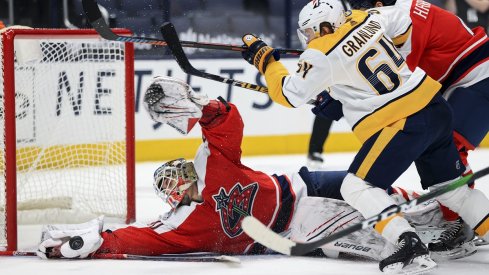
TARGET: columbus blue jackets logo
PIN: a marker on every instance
(234, 206)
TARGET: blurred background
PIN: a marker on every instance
(220, 21)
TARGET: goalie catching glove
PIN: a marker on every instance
(258, 52)
(174, 102)
(71, 240)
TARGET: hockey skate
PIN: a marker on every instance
(315, 161)
(454, 243)
(411, 257)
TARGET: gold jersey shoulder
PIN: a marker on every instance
(354, 20)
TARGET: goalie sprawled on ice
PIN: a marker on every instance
(210, 196)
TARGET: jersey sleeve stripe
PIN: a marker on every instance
(287, 201)
(402, 38)
(278, 193)
(483, 227)
(400, 107)
(286, 98)
(380, 226)
(275, 76)
(466, 61)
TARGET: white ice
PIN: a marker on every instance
(149, 207)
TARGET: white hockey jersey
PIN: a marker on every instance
(365, 73)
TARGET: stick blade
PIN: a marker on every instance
(91, 10)
(262, 234)
(173, 42)
(229, 259)
(175, 258)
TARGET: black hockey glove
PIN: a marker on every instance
(258, 52)
(328, 107)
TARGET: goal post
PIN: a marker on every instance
(67, 129)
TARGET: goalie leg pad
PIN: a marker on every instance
(318, 217)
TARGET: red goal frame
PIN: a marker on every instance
(8, 38)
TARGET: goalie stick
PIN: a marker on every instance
(94, 15)
(188, 257)
(262, 234)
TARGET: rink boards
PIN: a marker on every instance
(269, 127)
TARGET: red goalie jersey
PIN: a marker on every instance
(438, 42)
(230, 191)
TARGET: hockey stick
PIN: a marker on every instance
(98, 23)
(197, 257)
(170, 35)
(188, 257)
(262, 234)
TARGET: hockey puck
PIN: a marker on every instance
(76, 242)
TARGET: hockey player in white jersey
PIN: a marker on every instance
(442, 45)
(396, 113)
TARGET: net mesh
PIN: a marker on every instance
(70, 130)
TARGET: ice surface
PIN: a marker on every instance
(149, 207)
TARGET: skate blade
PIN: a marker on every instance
(462, 251)
(480, 242)
(419, 265)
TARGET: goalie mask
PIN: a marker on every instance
(315, 13)
(173, 179)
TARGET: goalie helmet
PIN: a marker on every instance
(173, 179)
(368, 4)
(315, 13)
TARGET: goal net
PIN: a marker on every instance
(67, 128)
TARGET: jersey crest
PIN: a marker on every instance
(234, 206)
